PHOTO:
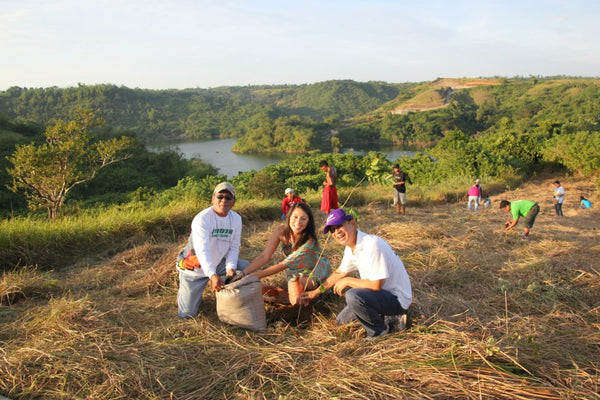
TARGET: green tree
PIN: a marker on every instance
(396, 128)
(69, 157)
(463, 113)
(336, 144)
(579, 152)
(379, 170)
(459, 154)
(284, 134)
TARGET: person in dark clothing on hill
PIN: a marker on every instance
(400, 179)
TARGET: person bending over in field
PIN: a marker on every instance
(584, 203)
(527, 209)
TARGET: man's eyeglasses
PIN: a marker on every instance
(222, 196)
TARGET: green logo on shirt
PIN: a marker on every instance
(221, 232)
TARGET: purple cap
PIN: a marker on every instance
(336, 217)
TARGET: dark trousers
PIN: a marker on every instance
(369, 307)
(558, 209)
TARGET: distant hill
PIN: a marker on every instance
(409, 114)
(198, 113)
(437, 94)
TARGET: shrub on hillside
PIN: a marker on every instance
(579, 152)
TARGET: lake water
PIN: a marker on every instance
(218, 153)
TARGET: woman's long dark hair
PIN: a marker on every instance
(308, 233)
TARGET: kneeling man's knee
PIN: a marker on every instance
(353, 298)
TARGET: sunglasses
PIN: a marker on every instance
(222, 196)
(333, 228)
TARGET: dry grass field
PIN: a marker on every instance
(494, 317)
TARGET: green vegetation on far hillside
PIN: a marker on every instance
(197, 113)
(496, 128)
(410, 113)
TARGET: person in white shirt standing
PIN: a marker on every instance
(212, 251)
(380, 298)
(559, 198)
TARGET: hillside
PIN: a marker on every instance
(197, 113)
(437, 94)
(302, 118)
(494, 317)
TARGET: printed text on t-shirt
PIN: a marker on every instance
(221, 232)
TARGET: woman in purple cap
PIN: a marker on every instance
(380, 297)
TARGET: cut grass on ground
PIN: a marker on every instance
(494, 317)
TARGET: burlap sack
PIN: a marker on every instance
(241, 304)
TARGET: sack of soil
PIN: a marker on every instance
(241, 304)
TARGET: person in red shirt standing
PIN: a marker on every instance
(289, 200)
(330, 196)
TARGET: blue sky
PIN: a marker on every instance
(209, 43)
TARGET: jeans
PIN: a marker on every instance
(474, 200)
(191, 288)
(558, 209)
(369, 307)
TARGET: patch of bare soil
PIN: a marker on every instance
(435, 102)
(463, 83)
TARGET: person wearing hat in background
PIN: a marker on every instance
(212, 251)
(475, 192)
(380, 297)
(400, 179)
(559, 198)
(289, 200)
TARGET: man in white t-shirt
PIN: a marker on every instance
(559, 198)
(380, 298)
(212, 251)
